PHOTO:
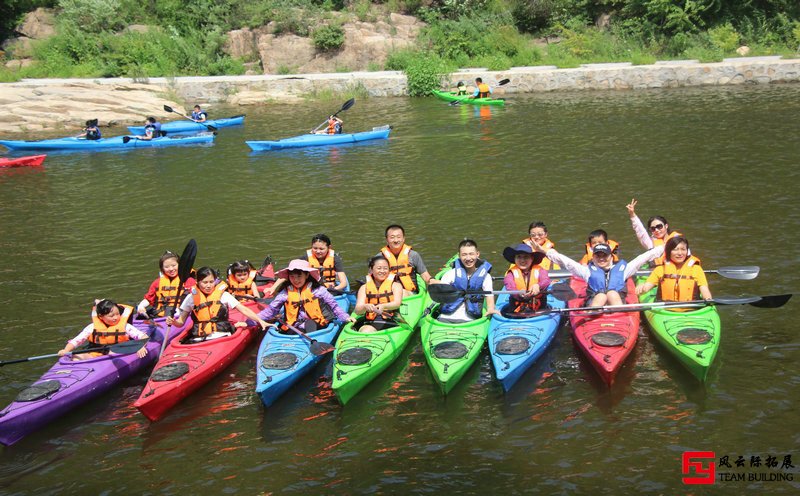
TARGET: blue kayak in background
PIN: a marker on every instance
(115, 142)
(187, 126)
(309, 139)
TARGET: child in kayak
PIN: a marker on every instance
(525, 274)
(680, 278)
(210, 303)
(166, 290)
(242, 281)
(469, 272)
(606, 280)
(198, 114)
(152, 129)
(110, 325)
(379, 297)
(322, 257)
(404, 262)
(595, 238)
(304, 298)
(659, 230)
(91, 131)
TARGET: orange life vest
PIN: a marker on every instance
(207, 309)
(401, 266)
(377, 296)
(678, 284)
(659, 242)
(326, 269)
(483, 90)
(167, 293)
(304, 298)
(103, 334)
(546, 263)
(614, 252)
(520, 284)
(241, 289)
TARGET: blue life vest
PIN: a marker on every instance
(463, 283)
(199, 115)
(155, 129)
(601, 281)
(93, 133)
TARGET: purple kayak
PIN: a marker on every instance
(70, 383)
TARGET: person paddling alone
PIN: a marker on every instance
(91, 131)
(198, 114)
(469, 272)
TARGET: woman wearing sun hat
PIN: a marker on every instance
(304, 297)
(525, 274)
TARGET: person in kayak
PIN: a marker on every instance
(469, 272)
(482, 90)
(152, 129)
(525, 274)
(659, 230)
(379, 297)
(198, 114)
(166, 290)
(461, 88)
(304, 298)
(680, 278)
(242, 281)
(109, 326)
(537, 232)
(322, 257)
(210, 303)
(606, 280)
(404, 262)
(595, 238)
(91, 131)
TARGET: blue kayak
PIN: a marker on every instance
(187, 126)
(304, 140)
(115, 142)
(514, 344)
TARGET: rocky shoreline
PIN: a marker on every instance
(33, 106)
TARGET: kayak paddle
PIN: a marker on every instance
(349, 103)
(744, 273)
(447, 293)
(316, 347)
(124, 348)
(185, 265)
(208, 126)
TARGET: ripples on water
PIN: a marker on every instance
(719, 163)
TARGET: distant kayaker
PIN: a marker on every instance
(404, 262)
(606, 280)
(659, 230)
(482, 90)
(595, 238)
(379, 297)
(91, 131)
(461, 88)
(242, 281)
(304, 298)
(198, 114)
(680, 278)
(469, 272)
(152, 129)
(525, 274)
(323, 258)
(210, 304)
(537, 232)
(109, 326)
(165, 290)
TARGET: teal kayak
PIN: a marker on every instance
(449, 96)
(116, 142)
(309, 139)
(187, 126)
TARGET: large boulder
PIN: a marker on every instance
(39, 24)
(241, 44)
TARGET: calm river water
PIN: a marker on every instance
(721, 164)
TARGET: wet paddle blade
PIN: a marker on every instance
(444, 293)
(318, 348)
(742, 273)
(773, 301)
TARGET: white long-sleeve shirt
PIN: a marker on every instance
(584, 272)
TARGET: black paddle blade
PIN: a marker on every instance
(318, 348)
(562, 292)
(126, 139)
(444, 293)
(187, 260)
(127, 347)
(349, 103)
(772, 301)
(210, 128)
(503, 81)
(168, 108)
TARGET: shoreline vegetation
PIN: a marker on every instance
(92, 39)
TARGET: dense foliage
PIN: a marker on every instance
(186, 38)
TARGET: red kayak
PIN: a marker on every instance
(33, 161)
(605, 338)
(186, 366)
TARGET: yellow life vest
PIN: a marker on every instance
(614, 252)
(103, 334)
(326, 268)
(521, 285)
(377, 296)
(241, 289)
(546, 263)
(678, 284)
(167, 293)
(207, 309)
(483, 90)
(658, 242)
(401, 266)
(304, 298)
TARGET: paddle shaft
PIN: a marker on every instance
(744, 273)
(770, 301)
(208, 126)
(185, 264)
(119, 346)
(349, 103)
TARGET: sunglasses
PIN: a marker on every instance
(657, 227)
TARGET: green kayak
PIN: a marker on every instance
(450, 96)
(451, 348)
(359, 357)
(692, 336)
